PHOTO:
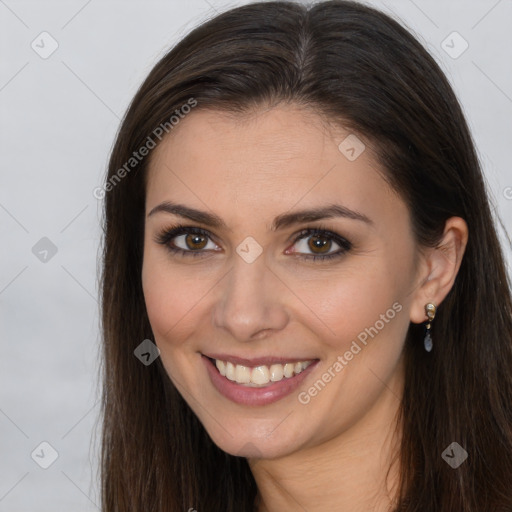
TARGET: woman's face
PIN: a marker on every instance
(273, 350)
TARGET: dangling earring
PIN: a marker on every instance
(430, 310)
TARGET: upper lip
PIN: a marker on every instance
(258, 361)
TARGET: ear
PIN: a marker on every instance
(438, 268)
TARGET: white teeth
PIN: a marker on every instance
(259, 376)
(230, 371)
(242, 374)
(221, 367)
(288, 370)
(276, 372)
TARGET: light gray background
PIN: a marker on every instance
(59, 116)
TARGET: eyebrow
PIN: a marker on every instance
(280, 222)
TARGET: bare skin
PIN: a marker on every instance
(314, 451)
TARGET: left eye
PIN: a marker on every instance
(320, 244)
(317, 244)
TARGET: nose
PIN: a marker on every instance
(249, 304)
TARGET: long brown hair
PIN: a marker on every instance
(358, 67)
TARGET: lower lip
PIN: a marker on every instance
(245, 395)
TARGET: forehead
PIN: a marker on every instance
(264, 162)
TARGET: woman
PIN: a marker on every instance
(295, 216)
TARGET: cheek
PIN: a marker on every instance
(172, 299)
(343, 306)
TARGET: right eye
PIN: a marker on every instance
(186, 241)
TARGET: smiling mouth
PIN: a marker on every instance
(259, 376)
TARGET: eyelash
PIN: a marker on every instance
(165, 236)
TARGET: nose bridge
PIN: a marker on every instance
(246, 304)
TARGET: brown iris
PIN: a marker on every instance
(195, 241)
(319, 244)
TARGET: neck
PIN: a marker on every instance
(356, 471)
